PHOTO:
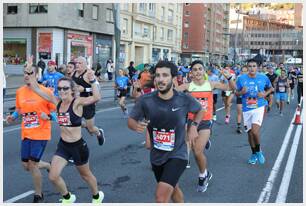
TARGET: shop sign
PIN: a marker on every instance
(45, 42)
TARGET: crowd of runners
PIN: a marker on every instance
(175, 109)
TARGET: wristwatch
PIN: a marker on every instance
(194, 123)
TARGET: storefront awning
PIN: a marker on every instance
(15, 41)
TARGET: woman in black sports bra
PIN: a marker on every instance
(71, 144)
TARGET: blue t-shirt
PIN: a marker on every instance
(51, 80)
(122, 82)
(250, 100)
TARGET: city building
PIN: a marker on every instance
(57, 31)
(150, 32)
(253, 34)
(205, 32)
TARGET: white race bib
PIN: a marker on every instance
(30, 120)
(163, 140)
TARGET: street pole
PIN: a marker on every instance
(117, 33)
(236, 36)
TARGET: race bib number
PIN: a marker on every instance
(282, 89)
(30, 120)
(204, 103)
(163, 140)
(251, 103)
(63, 119)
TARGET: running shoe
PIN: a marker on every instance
(208, 144)
(101, 137)
(281, 114)
(72, 199)
(260, 157)
(215, 117)
(38, 198)
(100, 199)
(227, 119)
(239, 131)
(253, 159)
(203, 182)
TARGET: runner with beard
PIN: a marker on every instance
(164, 113)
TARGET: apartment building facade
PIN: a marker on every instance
(60, 32)
(150, 32)
(205, 32)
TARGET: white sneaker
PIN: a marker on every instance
(100, 199)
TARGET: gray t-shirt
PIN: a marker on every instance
(167, 123)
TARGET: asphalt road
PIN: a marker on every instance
(123, 171)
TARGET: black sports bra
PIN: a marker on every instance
(68, 118)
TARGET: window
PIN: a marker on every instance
(170, 35)
(186, 24)
(95, 9)
(81, 10)
(109, 15)
(170, 16)
(187, 13)
(12, 9)
(146, 32)
(125, 26)
(38, 8)
(142, 7)
(137, 29)
(162, 33)
(162, 13)
(152, 9)
(185, 36)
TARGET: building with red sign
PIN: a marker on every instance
(60, 32)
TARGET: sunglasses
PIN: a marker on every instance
(63, 88)
(28, 73)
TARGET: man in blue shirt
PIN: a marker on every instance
(51, 77)
(252, 88)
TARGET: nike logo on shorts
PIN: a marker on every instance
(175, 109)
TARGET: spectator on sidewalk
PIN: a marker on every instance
(110, 68)
(132, 70)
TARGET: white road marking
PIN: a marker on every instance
(19, 197)
(219, 109)
(266, 191)
(283, 189)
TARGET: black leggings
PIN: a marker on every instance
(299, 92)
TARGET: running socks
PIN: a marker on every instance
(96, 196)
(257, 148)
(253, 150)
(203, 174)
(67, 196)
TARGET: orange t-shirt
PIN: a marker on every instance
(145, 77)
(30, 105)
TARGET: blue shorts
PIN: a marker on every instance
(32, 149)
(281, 96)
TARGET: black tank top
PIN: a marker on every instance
(68, 118)
(281, 85)
(80, 81)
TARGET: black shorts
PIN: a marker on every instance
(121, 93)
(89, 111)
(215, 98)
(238, 100)
(78, 151)
(204, 124)
(170, 172)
